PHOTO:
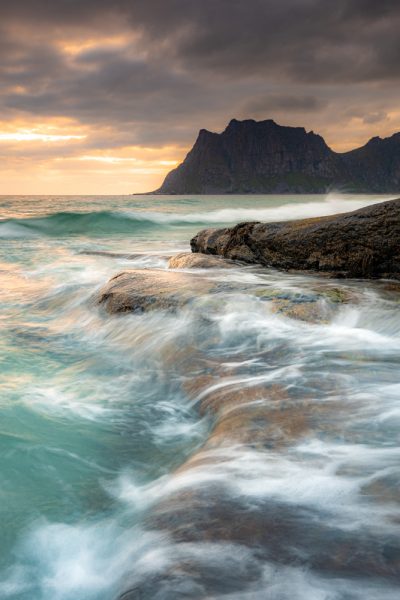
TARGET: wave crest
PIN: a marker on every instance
(108, 223)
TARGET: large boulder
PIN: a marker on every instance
(141, 290)
(362, 243)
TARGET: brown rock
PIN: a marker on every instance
(188, 260)
(362, 243)
(150, 289)
(262, 418)
(265, 418)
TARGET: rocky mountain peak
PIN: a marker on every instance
(264, 157)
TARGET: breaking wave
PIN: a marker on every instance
(108, 223)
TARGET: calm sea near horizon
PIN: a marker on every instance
(93, 423)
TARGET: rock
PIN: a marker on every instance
(206, 510)
(248, 423)
(315, 307)
(188, 260)
(150, 289)
(362, 243)
(112, 254)
(264, 157)
(281, 533)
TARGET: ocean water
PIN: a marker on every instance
(95, 422)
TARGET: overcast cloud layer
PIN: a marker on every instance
(138, 78)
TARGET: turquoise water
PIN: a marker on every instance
(93, 423)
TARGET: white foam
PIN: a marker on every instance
(64, 562)
(333, 204)
(60, 402)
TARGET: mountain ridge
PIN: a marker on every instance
(264, 157)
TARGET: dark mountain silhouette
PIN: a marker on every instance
(252, 157)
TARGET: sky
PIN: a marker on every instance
(107, 96)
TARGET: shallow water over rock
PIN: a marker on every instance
(244, 444)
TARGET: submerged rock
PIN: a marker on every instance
(212, 514)
(188, 260)
(362, 243)
(220, 531)
(150, 289)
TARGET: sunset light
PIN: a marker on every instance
(87, 82)
(33, 136)
(199, 299)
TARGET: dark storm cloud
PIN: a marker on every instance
(190, 63)
(290, 103)
(306, 39)
(375, 117)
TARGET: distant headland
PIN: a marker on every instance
(262, 157)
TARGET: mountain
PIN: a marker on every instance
(261, 157)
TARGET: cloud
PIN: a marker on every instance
(260, 105)
(153, 72)
(375, 117)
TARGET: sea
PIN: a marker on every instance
(95, 424)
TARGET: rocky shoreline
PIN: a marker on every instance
(259, 416)
(363, 244)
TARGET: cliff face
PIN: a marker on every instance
(263, 157)
(376, 166)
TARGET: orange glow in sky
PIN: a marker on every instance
(56, 158)
(106, 104)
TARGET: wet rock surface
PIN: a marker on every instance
(143, 290)
(220, 521)
(212, 509)
(150, 289)
(188, 260)
(363, 243)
